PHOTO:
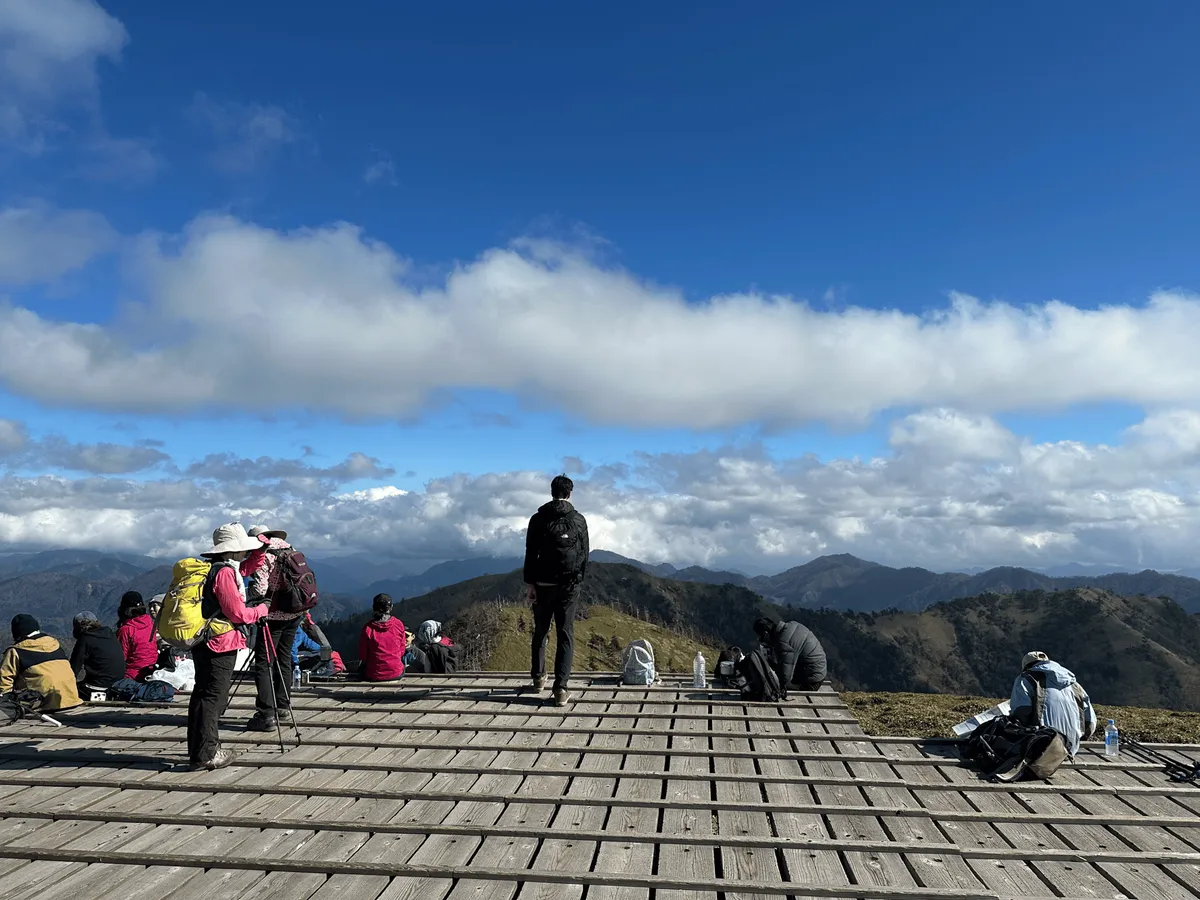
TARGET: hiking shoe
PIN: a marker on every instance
(539, 684)
(220, 760)
(562, 697)
(261, 722)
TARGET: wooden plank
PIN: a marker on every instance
(742, 864)
(263, 742)
(694, 863)
(617, 853)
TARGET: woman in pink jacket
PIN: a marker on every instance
(234, 555)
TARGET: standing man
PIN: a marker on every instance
(556, 558)
(272, 658)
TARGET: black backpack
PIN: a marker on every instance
(20, 705)
(1007, 750)
(443, 660)
(560, 556)
(756, 679)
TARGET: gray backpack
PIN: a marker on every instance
(637, 664)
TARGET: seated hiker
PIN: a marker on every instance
(37, 662)
(306, 653)
(1046, 693)
(382, 643)
(324, 666)
(795, 654)
(432, 652)
(96, 658)
(139, 641)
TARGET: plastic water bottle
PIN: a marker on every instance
(295, 677)
(1112, 745)
(699, 671)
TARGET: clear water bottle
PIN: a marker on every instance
(699, 671)
(295, 677)
(1112, 744)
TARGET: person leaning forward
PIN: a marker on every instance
(274, 639)
(556, 559)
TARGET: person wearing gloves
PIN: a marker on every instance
(1048, 694)
(234, 555)
(274, 639)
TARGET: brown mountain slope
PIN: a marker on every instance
(701, 612)
(1134, 651)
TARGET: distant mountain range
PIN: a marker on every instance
(1130, 651)
(347, 584)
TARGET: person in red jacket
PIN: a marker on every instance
(135, 634)
(382, 644)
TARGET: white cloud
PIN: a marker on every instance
(40, 243)
(1046, 504)
(49, 53)
(381, 171)
(246, 135)
(550, 325)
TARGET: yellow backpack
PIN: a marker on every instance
(190, 615)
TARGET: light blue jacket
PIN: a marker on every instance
(1061, 709)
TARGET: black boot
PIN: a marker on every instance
(261, 721)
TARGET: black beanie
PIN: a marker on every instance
(23, 626)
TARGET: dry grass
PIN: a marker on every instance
(594, 647)
(933, 715)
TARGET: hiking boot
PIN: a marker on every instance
(562, 697)
(261, 722)
(539, 684)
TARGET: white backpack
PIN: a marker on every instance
(637, 664)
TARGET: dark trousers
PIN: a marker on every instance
(283, 636)
(555, 605)
(214, 675)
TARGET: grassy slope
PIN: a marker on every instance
(594, 650)
(932, 715)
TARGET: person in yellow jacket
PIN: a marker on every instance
(36, 662)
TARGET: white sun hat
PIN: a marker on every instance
(232, 538)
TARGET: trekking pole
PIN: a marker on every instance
(273, 665)
(238, 677)
(1181, 772)
(291, 711)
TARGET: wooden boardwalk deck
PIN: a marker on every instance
(469, 788)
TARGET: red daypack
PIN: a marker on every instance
(293, 587)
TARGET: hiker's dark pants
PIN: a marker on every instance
(283, 636)
(555, 604)
(214, 675)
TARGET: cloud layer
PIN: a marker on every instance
(49, 52)
(954, 490)
(549, 324)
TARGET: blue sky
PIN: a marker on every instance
(872, 161)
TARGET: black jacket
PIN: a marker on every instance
(535, 539)
(97, 658)
(796, 655)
